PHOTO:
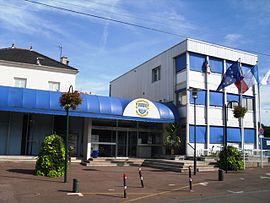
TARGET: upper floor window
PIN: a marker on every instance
(20, 82)
(156, 74)
(54, 86)
(197, 62)
(180, 62)
(216, 65)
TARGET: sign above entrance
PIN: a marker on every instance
(141, 108)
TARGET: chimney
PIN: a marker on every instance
(64, 60)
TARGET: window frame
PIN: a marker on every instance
(20, 80)
(156, 74)
(54, 83)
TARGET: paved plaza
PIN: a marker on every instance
(105, 184)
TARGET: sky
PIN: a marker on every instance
(103, 50)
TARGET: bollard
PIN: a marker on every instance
(141, 177)
(190, 178)
(125, 185)
(220, 175)
(76, 184)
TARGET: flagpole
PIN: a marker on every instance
(259, 101)
(241, 119)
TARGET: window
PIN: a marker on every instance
(54, 86)
(233, 134)
(201, 97)
(248, 102)
(216, 98)
(200, 134)
(156, 74)
(197, 62)
(20, 82)
(233, 97)
(216, 65)
(180, 62)
(249, 136)
(216, 135)
(181, 98)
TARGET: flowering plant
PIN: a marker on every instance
(239, 111)
(70, 100)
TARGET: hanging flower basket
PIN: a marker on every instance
(239, 111)
(70, 100)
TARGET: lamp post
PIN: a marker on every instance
(225, 140)
(70, 90)
(194, 96)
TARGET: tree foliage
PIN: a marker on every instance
(51, 160)
(234, 159)
(171, 139)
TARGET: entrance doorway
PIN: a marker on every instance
(127, 144)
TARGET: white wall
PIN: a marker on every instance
(36, 78)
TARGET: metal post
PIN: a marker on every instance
(125, 185)
(66, 148)
(225, 136)
(261, 151)
(195, 139)
(141, 177)
(190, 178)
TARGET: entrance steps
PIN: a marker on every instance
(102, 161)
(179, 165)
(17, 158)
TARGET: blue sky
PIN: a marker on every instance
(103, 50)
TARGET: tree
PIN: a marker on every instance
(51, 160)
(171, 139)
(231, 159)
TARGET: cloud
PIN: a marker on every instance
(92, 86)
(233, 39)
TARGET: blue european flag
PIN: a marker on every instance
(233, 74)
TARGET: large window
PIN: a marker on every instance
(201, 97)
(216, 98)
(200, 134)
(233, 97)
(197, 62)
(54, 86)
(156, 74)
(20, 82)
(180, 62)
(216, 135)
(216, 65)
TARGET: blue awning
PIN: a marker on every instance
(47, 102)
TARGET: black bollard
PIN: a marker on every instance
(190, 178)
(76, 184)
(141, 177)
(125, 185)
(220, 175)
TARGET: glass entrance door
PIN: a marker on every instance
(122, 144)
(132, 144)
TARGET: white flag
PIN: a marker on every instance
(266, 79)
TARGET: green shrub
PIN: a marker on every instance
(51, 160)
(235, 161)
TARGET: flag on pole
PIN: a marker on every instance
(207, 66)
(233, 74)
(250, 78)
(266, 79)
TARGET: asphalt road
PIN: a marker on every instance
(105, 184)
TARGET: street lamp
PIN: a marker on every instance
(225, 141)
(194, 96)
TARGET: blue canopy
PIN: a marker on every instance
(93, 106)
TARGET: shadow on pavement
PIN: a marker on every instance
(88, 169)
(23, 171)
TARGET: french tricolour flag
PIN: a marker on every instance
(249, 79)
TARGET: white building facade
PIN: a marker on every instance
(169, 77)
